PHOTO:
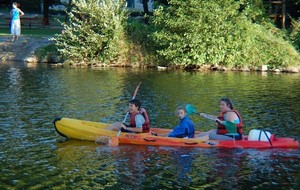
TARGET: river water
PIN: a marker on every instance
(34, 156)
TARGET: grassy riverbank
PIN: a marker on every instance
(33, 31)
(47, 52)
(199, 35)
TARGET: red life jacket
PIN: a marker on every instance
(146, 125)
(222, 129)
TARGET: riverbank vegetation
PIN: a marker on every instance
(95, 33)
(187, 34)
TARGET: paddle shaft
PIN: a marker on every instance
(230, 126)
(133, 97)
(207, 116)
(192, 110)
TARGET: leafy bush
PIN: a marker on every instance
(229, 32)
(48, 53)
(94, 32)
(141, 49)
(295, 33)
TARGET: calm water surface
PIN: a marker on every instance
(34, 156)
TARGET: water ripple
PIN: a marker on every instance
(32, 155)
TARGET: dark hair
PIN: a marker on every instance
(136, 102)
(16, 3)
(228, 102)
(181, 107)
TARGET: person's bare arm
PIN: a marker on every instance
(21, 12)
(231, 116)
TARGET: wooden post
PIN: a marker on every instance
(279, 12)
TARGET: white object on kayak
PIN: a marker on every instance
(259, 135)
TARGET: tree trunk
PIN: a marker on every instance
(145, 6)
(46, 5)
(68, 10)
(146, 10)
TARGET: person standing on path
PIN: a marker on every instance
(15, 14)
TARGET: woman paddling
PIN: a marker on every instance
(228, 115)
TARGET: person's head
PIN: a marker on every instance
(15, 4)
(181, 112)
(226, 104)
(134, 105)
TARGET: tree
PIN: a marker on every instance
(46, 5)
(229, 32)
(95, 31)
(68, 9)
(145, 4)
(146, 8)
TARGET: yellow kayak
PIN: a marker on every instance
(91, 131)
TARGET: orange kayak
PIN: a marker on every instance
(91, 131)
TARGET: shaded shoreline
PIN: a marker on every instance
(24, 50)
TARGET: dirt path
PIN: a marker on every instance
(22, 49)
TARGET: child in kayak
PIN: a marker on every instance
(185, 128)
(139, 120)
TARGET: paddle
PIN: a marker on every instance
(231, 127)
(114, 141)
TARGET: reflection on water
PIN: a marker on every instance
(169, 168)
(33, 156)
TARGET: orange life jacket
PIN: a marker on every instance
(146, 125)
(222, 129)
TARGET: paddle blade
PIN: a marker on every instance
(136, 90)
(102, 139)
(113, 142)
(190, 109)
(231, 127)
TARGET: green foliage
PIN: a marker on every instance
(141, 48)
(295, 33)
(219, 32)
(94, 32)
(48, 53)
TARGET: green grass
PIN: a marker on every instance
(33, 31)
(38, 29)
